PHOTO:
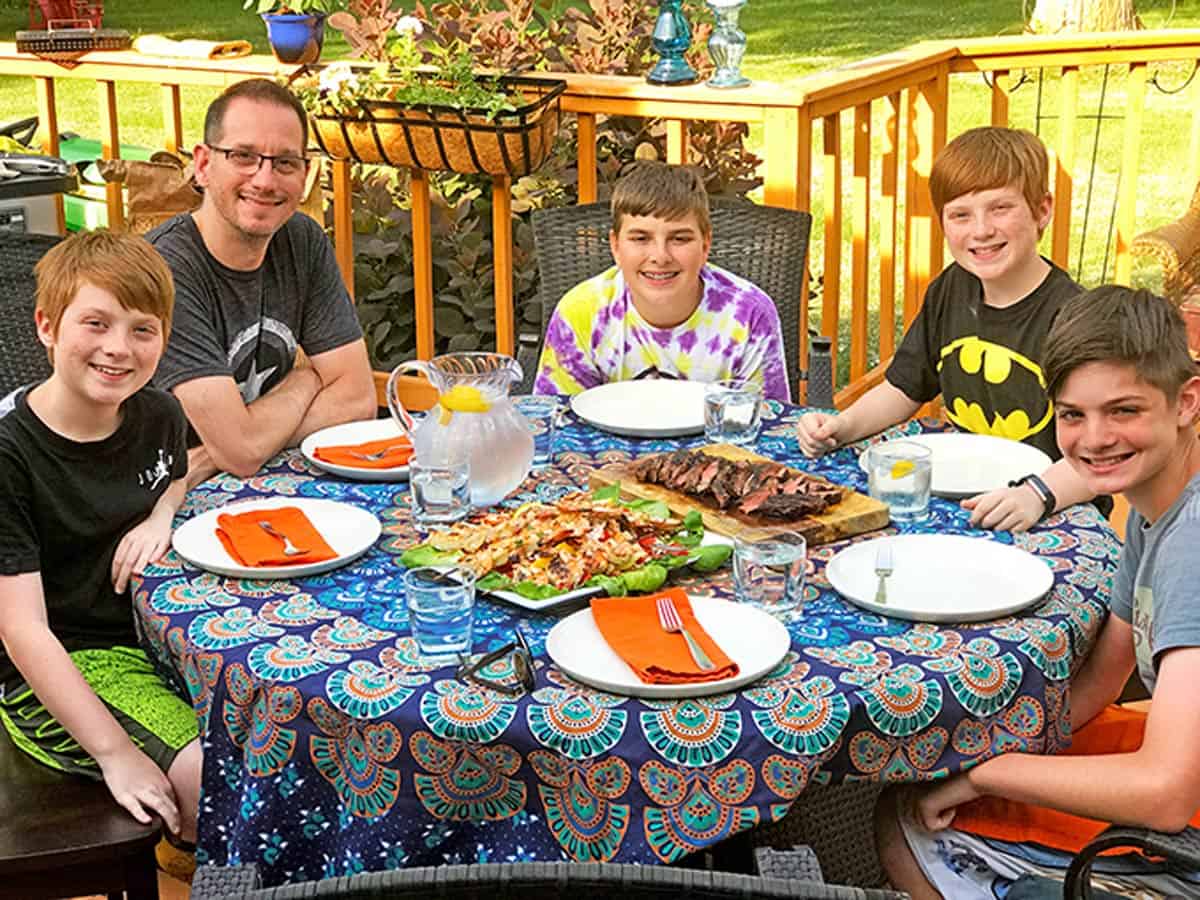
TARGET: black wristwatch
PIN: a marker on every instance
(1049, 501)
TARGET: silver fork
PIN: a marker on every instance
(289, 549)
(377, 455)
(668, 618)
(883, 568)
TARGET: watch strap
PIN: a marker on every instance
(1039, 487)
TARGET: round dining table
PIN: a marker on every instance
(329, 749)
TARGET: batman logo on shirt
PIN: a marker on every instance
(982, 369)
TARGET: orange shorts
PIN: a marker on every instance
(1115, 730)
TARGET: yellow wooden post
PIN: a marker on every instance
(677, 142)
(1135, 96)
(422, 230)
(888, 178)
(343, 221)
(1064, 167)
(586, 156)
(861, 214)
(831, 168)
(110, 148)
(1000, 97)
(926, 136)
(172, 118)
(47, 136)
(502, 260)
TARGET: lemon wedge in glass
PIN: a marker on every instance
(901, 467)
(462, 398)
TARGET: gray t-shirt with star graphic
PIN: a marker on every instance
(247, 325)
(1155, 588)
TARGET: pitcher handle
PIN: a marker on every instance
(400, 415)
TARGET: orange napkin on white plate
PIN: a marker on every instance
(398, 452)
(630, 626)
(250, 545)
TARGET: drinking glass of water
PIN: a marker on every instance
(732, 411)
(441, 603)
(441, 492)
(768, 572)
(900, 473)
(543, 413)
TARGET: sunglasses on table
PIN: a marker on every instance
(522, 666)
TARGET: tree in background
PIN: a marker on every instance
(1073, 16)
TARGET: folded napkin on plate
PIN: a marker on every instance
(158, 45)
(250, 545)
(631, 627)
(399, 450)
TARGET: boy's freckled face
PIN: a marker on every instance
(660, 260)
(994, 233)
(1115, 429)
(102, 351)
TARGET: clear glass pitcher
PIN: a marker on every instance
(473, 417)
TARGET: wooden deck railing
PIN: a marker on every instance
(877, 238)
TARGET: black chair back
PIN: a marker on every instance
(22, 357)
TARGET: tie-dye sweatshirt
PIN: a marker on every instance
(597, 336)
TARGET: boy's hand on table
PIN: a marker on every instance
(933, 808)
(818, 433)
(1006, 509)
(142, 545)
(138, 785)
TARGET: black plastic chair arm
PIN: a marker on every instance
(1182, 850)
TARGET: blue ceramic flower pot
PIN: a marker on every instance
(295, 37)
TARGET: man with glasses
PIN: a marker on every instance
(255, 283)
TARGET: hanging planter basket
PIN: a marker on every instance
(513, 142)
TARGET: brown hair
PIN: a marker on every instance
(991, 157)
(125, 265)
(653, 188)
(1115, 324)
(260, 90)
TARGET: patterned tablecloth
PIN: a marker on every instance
(330, 750)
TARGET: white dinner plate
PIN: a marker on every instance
(562, 601)
(753, 639)
(349, 530)
(654, 407)
(942, 577)
(968, 464)
(354, 433)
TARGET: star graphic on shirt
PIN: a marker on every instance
(251, 388)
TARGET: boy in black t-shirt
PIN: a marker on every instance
(977, 338)
(92, 467)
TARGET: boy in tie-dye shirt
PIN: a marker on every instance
(662, 310)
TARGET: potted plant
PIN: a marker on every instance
(426, 108)
(295, 28)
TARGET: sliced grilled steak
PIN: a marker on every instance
(791, 506)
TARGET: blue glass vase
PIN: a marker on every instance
(727, 44)
(672, 37)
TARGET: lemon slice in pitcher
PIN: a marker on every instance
(901, 467)
(462, 398)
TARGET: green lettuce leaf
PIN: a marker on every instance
(710, 557)
(427, 555)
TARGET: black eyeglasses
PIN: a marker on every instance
(248, 162)
(522, 666)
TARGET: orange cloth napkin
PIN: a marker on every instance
(399, 451)
(631, 627)
(251, 546)
(1115, 730)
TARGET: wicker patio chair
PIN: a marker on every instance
(763, 244)
(1176, 248)
(529, 881)
(22, 357)
(1180, 850)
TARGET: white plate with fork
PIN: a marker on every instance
(354, 433)
(350, 531)
(753, 639)
(941, 577)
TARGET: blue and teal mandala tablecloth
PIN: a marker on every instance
(329, 750)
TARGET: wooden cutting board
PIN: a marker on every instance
(856, 513)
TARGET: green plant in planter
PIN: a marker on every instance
(295, 7)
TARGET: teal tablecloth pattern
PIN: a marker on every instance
(330, 750)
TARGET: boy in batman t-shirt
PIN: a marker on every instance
(977, 339)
